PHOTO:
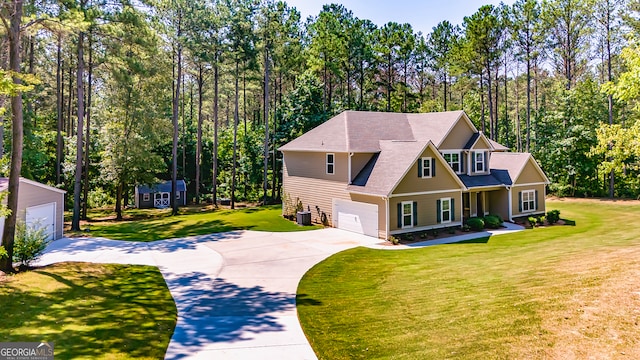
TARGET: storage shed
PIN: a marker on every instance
(39, 206)
(159, 195)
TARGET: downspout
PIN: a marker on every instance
(510, 214)
(386, 231)
(349, 166)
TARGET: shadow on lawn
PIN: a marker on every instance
(145, 231)
(114, 310)
(74, 246)
(220, 311)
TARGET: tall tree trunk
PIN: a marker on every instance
(445, 91)
(528, 124)
(518, 130)
(59, 105)
(8, 234)
(389, 85)
(235, 139)
(69, 100)
(214, 187)
(174, 149)
(77, 187)
(610, 97)
(119, 200)
(266, 126)
(199, 133)
(490, 100)
(506, 105)
(87, 141)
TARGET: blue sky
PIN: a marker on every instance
(422, 15)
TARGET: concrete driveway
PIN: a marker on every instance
(235, 292)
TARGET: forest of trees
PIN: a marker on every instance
(124, 92)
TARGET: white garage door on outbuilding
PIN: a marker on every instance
(39, 205)
(358, 217)
(42, 217)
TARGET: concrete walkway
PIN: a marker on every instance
(235, 292)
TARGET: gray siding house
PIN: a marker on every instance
(159, 195)
(39, 206)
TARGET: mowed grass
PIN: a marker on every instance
(561, 292)
(153, 224)
(90, 311)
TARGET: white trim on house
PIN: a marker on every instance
(459, 162)
(425, 193)
(402, 207)
(530, 184)
(477, 162)
(531, 198)
(426, 160)
(146, 196)
(35, 183)
(332, 163)
(442, 210)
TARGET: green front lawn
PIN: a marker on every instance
(90, 311)
(558, 292)
(153, 224)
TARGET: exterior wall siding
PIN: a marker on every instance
(316, 195)
(358, 161)
(458, 137)
(427, 210)
(382, 211)
(443, 180)
(529, 175)
(499, 203)
(540, 199)
(32, 195)
(313, 165)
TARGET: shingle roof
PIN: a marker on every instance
(164, 186)
(362, 131)
(392, 163)
(497, 146)
(480, 180)
(507, 166)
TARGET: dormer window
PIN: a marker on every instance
(479, 162)
(331, 164)
(453, 158)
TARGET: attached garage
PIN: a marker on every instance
(39, 206)
(358, 217)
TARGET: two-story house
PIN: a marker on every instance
(382, 174)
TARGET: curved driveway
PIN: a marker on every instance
(235, 292)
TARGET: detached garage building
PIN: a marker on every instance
(38, 205)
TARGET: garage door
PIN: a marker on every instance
(358, 217)
(42, 216)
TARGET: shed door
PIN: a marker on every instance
(42, 217)
(361, 218)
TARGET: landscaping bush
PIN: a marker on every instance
(553, 216)
(492, 221)
(394, 240)
(532, 221)
(541, 220)
(29, 244)
(475, 223)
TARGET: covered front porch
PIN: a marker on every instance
(481, 201)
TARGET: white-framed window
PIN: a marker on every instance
(331, 164)
(146, 197)
(528, 200)
(479, 162)
(445, 210)
(453, 158)
(425, 168)
(177, 195)
(407, 214)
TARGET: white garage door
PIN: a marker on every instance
(358, 217)
(42, 216)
